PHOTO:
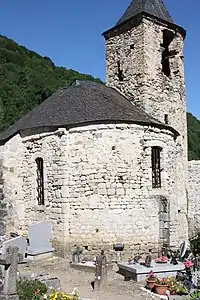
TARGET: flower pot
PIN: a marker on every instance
(172, 292)
(160, 289)
(150, 283)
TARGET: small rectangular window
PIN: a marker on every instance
(40, 180)
(166, 119)
(156, 170)
(119, 72)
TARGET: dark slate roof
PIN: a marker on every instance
(155, 8)
(82, 102)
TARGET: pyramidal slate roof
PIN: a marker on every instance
(154, 8)
(81, 103)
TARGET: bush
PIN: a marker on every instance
(195, 244)
(27, 288)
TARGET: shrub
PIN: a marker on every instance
(26, 288)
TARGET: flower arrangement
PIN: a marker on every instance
(188, 264)
(151, 276)
(30, 289)
(162, 259)
(162, 281)
(59, 296)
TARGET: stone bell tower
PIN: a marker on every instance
(145, 62)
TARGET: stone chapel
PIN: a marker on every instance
(108, 163)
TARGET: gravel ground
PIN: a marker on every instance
(117, 288)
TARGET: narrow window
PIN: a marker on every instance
(166, 119)
(156, 170)
(40, 180)
(132, 46)
(119, 72)
(168, 37)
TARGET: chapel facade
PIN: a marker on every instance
(108, 163)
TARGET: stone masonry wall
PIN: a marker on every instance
(110, 187)
(20, 189)
(98, 185)
(13, 155)
(138, 51)
(3, 206)
(194, 197)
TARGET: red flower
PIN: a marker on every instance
(35, 292)
(188, 264)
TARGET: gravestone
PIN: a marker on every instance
(100, 272)
(76, 254)
(39, 235)
(19, 242)
(10, 261)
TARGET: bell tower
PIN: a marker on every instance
(145, 62)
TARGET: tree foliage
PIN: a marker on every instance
(27, 79)
(193, 137)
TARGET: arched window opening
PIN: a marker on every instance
(156, 169)
(40, 180)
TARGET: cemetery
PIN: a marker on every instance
(95, 201)
(26, 273)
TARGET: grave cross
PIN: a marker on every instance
(10, 261)
(100, 271)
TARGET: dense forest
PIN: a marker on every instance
(27, 78)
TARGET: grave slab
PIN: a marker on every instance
(139, 273)
(39, 235)
(19, 242)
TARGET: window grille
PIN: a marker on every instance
(40, 180)
(156, 170)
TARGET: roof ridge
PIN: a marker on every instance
(155, 8)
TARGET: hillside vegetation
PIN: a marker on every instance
(27, 79)
(193, 137)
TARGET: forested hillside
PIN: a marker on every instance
(193, 137)
(26, 79)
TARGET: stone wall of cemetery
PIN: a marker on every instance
(194, 196)
(97, 185)
(3, 206)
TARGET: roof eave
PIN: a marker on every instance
(135, 21)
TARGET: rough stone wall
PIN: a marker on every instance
(98, 185)
(194, 196)
(3, 206)
(51, 147)
(20, 187)
(110, 187)
(13, 156)
(139, 52)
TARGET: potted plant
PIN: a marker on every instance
(181, 290)
(161, 286)
(151, 279)
(172, 285)
(195, 295)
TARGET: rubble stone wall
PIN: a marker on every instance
(137, 54)
(3, 207)
(97, 186)
(194, 196)
(110, 187)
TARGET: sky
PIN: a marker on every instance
(69, 32)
